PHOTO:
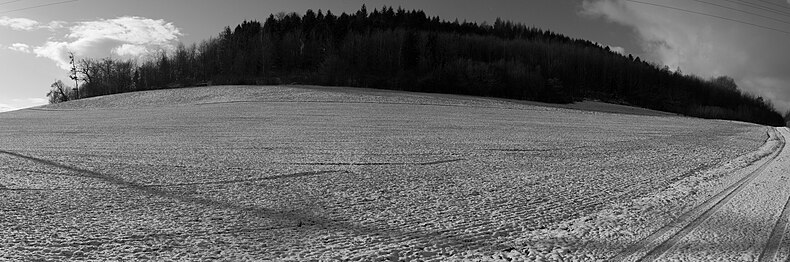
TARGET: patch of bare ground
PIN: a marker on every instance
(302, 173)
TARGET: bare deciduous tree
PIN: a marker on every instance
(59, 92)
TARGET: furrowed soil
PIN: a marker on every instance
(326, 173)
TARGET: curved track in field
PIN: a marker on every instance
(752, 199)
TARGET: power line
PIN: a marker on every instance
(775, 4)
(710, 15)
(38, 6)
(761, 7)
(742, 11)
(3, 3)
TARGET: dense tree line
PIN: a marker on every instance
(408, 50)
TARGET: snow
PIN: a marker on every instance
(300, 173)
(643, 224)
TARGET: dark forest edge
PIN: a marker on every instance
(407, 50)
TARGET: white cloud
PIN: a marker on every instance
(6, 107)
(55, 25)
(20, 47)
(130, 50)
(25, 24)
(57, 51)
(19, 103)
(617, 49)
(674, 39)
(19, 24)
(703, 45)
(127, 37)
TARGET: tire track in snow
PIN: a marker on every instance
(477, 236)
(668, 236)
(220, 182)
(277, 214)
(777, 234)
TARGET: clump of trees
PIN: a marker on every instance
(408, 50)
(60, 92)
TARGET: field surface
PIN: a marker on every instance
(326, 173)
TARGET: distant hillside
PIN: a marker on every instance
(408, 50)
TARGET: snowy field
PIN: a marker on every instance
(319, 173)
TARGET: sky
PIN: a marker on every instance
(747, 40)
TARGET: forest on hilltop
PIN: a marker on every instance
(408, 50)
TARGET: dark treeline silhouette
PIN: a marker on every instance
(408, 50)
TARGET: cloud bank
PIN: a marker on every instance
(19, 47)
(706, 46)
(24, 24)
(19, 24)
(617, 49)
(5, 107)
(20, 103)
(126, 37)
